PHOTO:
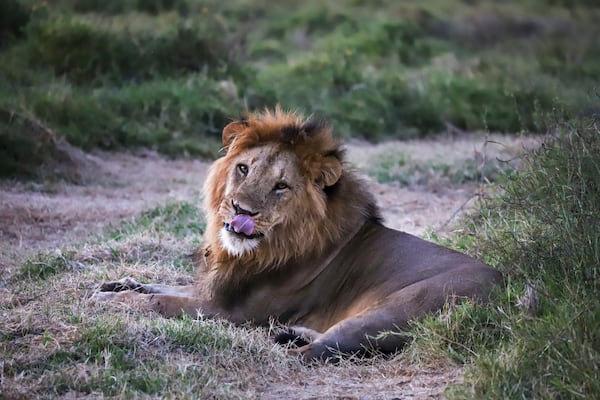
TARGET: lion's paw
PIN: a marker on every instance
(317, 352)
(290, 338)
(120, 285)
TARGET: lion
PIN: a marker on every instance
(293, 235)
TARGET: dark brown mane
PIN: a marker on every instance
(336, 205)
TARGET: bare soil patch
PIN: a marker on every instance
(43, 216)
(36, 217)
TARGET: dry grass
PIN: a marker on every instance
(55, 342)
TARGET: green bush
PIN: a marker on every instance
(316, 19)
(170, 115)
(539, 338)
(377, 71)
(27, 145)
(83, 53)
(112, 7)
(396, 40)
(358, 105)
(19, 155)
(544, 226)
(473, 104)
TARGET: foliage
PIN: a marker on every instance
(46, 265)
(169, 74)
(538, 340)
(13, 19)
(83, 53)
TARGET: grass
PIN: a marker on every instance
(443, 162)
(410, 173)
(170, 74)
(46, 264)
(538, 340)
(179, 219)
(54, 342)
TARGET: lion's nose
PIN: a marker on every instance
(243, 209)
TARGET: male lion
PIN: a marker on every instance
(293, 235)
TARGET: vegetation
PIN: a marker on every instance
(51, 345)
(540, 340)
(168, 74)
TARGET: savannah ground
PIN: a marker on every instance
(111, 110)
(139, 217)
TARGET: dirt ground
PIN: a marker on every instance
(36, 217)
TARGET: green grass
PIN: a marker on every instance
(408, 172)
(47, 264)
(189, 335)
(538, 339)
(170, 74)
(180, 219)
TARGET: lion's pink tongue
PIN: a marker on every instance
(243, 223)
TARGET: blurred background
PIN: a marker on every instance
(169, 74)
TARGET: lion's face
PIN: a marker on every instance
(266, 199)
(263, 191)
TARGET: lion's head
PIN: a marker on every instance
(281, 191)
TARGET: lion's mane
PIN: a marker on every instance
(323, 216)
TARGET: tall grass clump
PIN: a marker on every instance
(540, 338)
(544, 233)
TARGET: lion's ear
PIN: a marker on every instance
(330, 173)
(231, 131)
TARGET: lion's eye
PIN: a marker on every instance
(281, 186)
(243, 168)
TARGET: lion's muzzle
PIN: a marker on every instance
(242, 223)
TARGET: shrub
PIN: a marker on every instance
(538, 339)
(84, 53)
(377, 72)
(173, 116)
(544, 224)
(357, 104)
(473, 104)
(396, 40)
(112, 7)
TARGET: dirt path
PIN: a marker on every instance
(42, 217)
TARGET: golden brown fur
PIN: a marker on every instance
(293, 234)
(322, 221)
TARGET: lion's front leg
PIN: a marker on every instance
(130, 284)
(169, 301)
(358, 335)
